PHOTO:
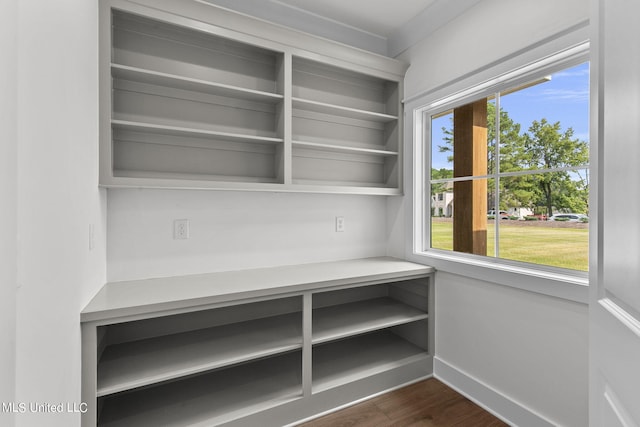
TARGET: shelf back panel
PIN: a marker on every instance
(218, 114)
(159, 46)
(171, 154)
(325, 83)
(343, 169)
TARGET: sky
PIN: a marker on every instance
(564, 98)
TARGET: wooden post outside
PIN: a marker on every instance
(470, 159)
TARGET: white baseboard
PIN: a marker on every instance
(493, 401)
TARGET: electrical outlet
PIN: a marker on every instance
(339, 224)
(181, 229)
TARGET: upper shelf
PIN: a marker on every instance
(353, 113)
(141, 75)
(188, 131)
(344, 148)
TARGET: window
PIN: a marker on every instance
(508, 169)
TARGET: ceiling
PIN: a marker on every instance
(386, 27)
(379, 17)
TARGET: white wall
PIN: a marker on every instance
(58, 198)
(526, 347)
(488, 32)
(529, 347)
(9, 200)
(235, 230)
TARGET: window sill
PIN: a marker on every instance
(556, 284)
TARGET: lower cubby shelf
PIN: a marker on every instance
(339, 321)
(349, 360)
(138, 363)
(208, 399)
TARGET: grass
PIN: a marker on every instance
(558, 247)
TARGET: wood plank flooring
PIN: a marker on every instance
(428, 403)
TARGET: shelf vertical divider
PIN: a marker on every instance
(89, 370)
(105, 85)
(307, 348)
(399, 104)
(285, 125)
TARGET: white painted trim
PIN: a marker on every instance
(286, 15)
(567, 287)
(625, 317)
(617, 408)
(495, 402)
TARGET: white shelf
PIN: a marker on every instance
(344, 320)
(344, 149)
(171, 177)
(209, 399)
(140, 363)
(349, 360)
(189, 131)
(141, 75)
(353, 113)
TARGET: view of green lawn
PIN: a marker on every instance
(554, 246)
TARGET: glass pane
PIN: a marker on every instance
(470, 223)
(442, 145)
(549, 219)
(442, 216)
(461, 126)
(545, 124)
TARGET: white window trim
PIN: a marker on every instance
(561, 53)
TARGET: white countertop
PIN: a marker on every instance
(117, 299)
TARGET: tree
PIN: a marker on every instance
(510, 137)
(545, 146)
(441, 173)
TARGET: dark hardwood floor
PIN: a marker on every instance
(428, 403)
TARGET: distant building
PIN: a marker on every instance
(442, 203)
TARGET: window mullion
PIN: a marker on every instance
(496, 180)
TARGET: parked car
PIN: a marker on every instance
(503, 214)
(569, 217)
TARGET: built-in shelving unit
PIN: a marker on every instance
(188, 104)
(275, 345)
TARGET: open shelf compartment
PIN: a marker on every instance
(319, 85)
(142, 150)
(345, 361)
(166, 48)
(347, 312)
(209, 399)
(143, 353)
(362, 331)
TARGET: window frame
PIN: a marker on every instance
(564, 283)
